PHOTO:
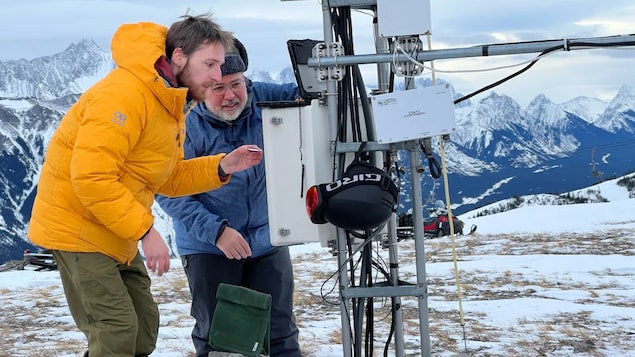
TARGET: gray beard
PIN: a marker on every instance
(227, 118)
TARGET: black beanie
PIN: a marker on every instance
(235, 60)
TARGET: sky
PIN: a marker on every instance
(537, 280)
(33, 28)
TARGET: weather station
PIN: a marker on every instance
(330, 159)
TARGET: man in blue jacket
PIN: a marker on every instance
(222, 236)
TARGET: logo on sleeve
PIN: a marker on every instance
(118, 118)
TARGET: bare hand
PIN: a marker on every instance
(233, 245)
(241, 158)
(156, 252)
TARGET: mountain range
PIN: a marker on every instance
(500, 150)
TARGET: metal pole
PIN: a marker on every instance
(478, 51)
(420, 253)
(331, 101)
(383, 70)
(393, 260)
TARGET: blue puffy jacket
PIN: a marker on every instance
(242, 203)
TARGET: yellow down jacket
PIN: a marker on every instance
(121, 143)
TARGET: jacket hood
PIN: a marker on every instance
(137, 48)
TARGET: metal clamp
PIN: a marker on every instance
(411, 45)
(333, 73)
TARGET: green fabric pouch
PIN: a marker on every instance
(241, 321)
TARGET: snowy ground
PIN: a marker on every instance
(534, 281)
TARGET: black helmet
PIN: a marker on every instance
(364, 198)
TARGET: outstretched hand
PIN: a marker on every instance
(241, 158)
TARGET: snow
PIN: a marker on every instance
(548, 280)
(560, 219)
(16, 104)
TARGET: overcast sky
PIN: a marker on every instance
(33, 28)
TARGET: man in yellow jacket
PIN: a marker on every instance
(115, 148)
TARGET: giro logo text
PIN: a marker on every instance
(353, 179)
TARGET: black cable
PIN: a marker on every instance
(426, 147)
(390, 333)
(435, 167)
(367, 279)
(591, 44)
(370, 332)
(569, 45)
(354, 301)
(457, 101)
(391, 77)
(347, 104)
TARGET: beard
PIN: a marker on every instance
(227, 114)
(184, 79)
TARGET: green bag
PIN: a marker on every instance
(241, 321)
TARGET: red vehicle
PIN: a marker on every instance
(438, 225)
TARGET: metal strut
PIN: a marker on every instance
(489, 50)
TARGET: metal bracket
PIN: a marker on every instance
(332, 73)
(411, 45)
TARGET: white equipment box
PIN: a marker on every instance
(414, 114)
(297, 156)
(403, 17)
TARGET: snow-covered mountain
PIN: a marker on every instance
(50, 77)
(500, 149)
(585, 108)
(619, 116)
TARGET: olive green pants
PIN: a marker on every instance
(110, 302)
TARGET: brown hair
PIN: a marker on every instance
(194, 31)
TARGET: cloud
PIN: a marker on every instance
(32, 28)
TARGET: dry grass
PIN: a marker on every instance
(318, 310)
(577, 331)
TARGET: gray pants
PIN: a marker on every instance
(110, 302)
(271, 273)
